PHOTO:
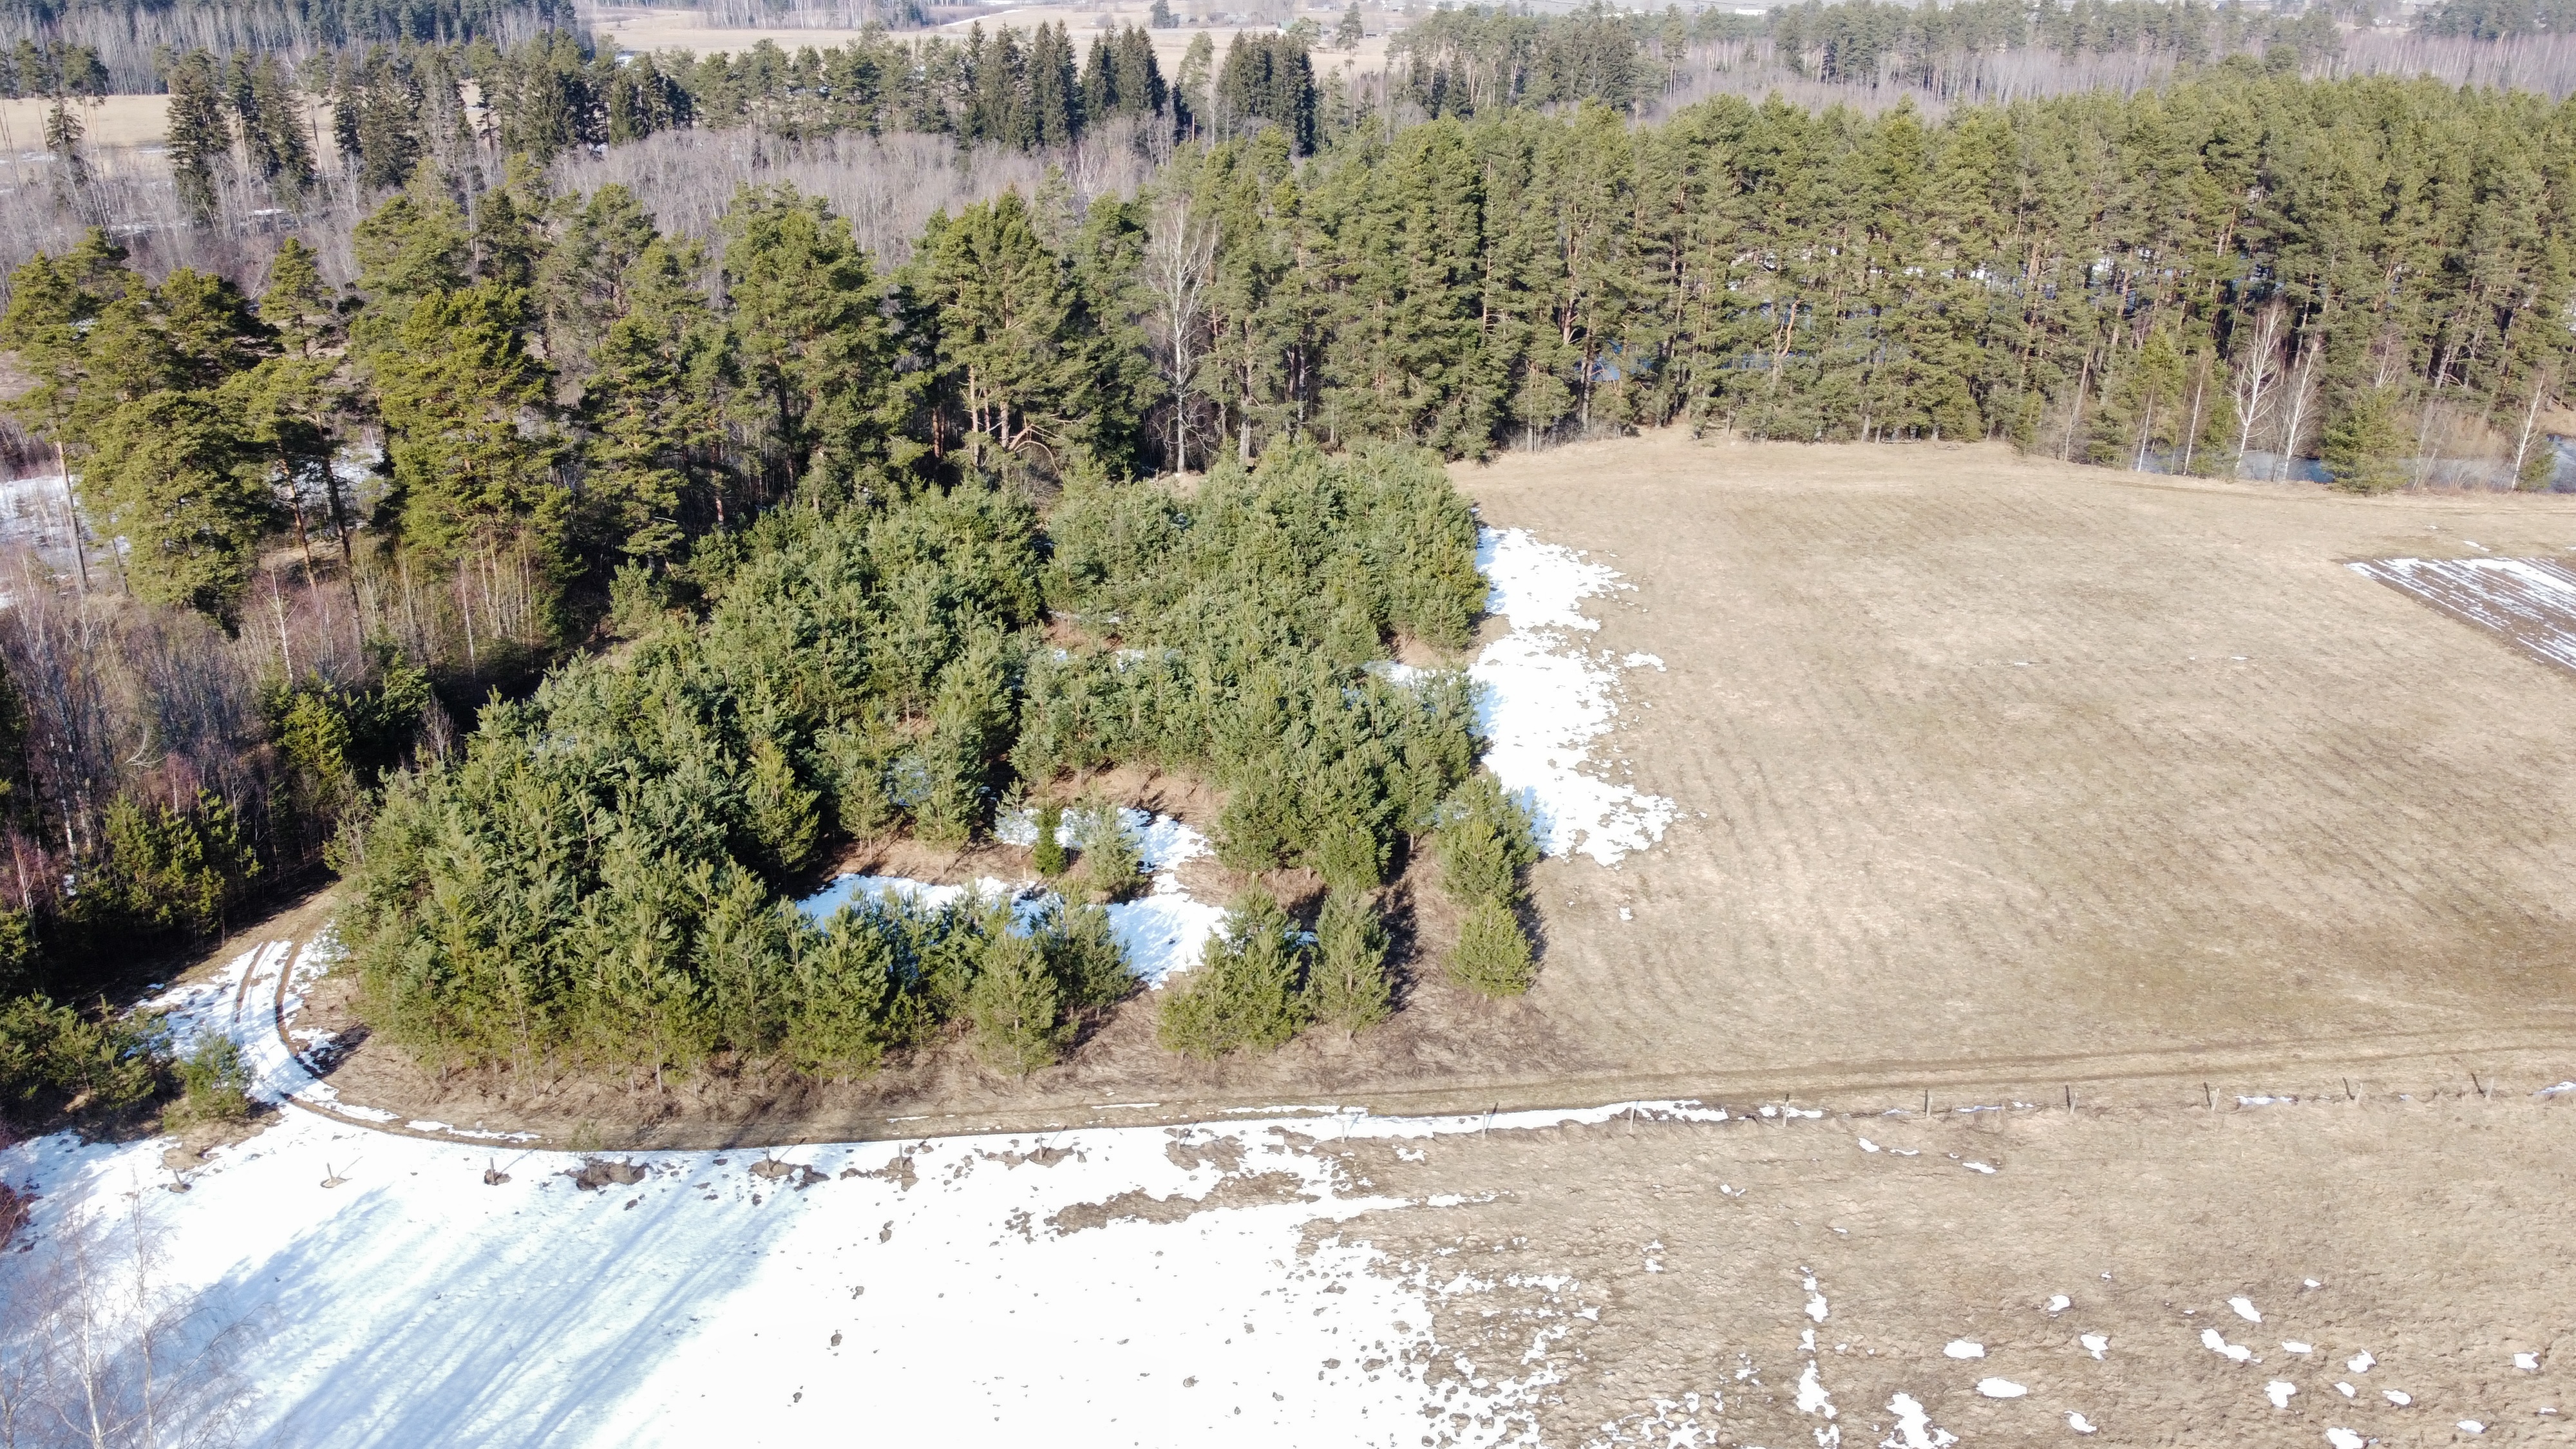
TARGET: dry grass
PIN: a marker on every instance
(2022, 771)
(2416, 1221)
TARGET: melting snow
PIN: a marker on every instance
(2094, 1343)
(1544, 700)
(1914, 1428)
(1160, 933)
(1812, 1397)
(2343, 1439)
(2058, 1303)
(2245, 1309)
(2527, 1362)
(2470, 1426)
(2000, 1389)
(2397, 1396)
(1965, 1348)
(2295, 1346)
(2078, 1422)
(2210, 1339)
(2279, 1392)
(2360, 1363)
(2530, 601)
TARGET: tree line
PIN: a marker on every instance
(132, 40)
(393, 106)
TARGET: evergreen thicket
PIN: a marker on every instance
(603, 870)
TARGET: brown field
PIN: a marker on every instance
(113, 123)
(2429, 1229)
(2008, 771)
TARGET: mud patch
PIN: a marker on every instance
(1225, 1154)
(795, 1174)
(598, 1172)
(1258, 1190)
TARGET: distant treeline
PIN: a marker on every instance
(135, 38)
(393, 105)
(1458, 61)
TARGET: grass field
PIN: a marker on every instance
(1998, 767)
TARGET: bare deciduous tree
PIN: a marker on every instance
(1180, 256)
(96, 1349)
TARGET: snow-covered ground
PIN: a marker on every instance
(982, 1290)
(1546, 698)
(2531, 601)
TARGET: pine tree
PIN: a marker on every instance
(1048, 854)
(174, 477)
(1349, 988)
(809, 340)
(1244, 993)
(1015, 1007)
(1492, 957)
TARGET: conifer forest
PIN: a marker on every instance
(575, 569)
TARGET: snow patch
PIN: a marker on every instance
(2279, 1392)
(1964, 1348)
(1160, 933)
(1543, 700)
(1914, 1427)
(2245, 1309)
(2343, 1439)
(2000, 1389)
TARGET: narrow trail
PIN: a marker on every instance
(2505, 1059)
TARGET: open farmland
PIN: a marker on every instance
(1993, 770)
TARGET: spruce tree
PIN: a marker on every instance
(1485, 843)
(1111, 863)
(2365, 448)
(1048, 854)
(199, 142)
